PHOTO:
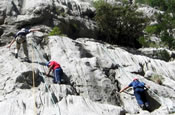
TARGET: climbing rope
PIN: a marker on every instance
(33, 81)
(77, 64)
(45, 84)
(50, 90)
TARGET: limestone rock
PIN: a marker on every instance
(94, 71)
(76, 14)
(93, 74)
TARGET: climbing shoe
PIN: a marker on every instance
(16, 55)
(142, 106)
(26, 60)
(56, 82)
(147, 107)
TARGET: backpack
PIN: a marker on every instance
(21, 35)
(138, 84)
(141, 85)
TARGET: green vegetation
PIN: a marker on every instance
(141, 1)
(163, 29)
(167, 24)
(143, 41)
(164, 55)
(123, 25)
(153, 29)
(161, 4)
(157, 78)
(125, 1)
(164, 5)
(119, 24)
(55, 31)
(146, 42)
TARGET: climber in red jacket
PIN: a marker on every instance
(57, 70)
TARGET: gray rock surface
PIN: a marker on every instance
(158, 53)
(93, 72)
(73, 17)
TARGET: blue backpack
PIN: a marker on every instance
(138, 84)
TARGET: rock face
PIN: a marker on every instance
(93, 74)
(73, 17)
(94, 71)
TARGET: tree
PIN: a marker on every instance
(163, 29)
(164, 5)
(119, 24)
(166, 22)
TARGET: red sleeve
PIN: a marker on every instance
(51, 63)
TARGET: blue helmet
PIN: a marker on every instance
(47, 64)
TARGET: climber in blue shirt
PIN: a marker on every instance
(139, 92)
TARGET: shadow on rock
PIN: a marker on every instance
(65, 79)
(25, 80)
(153, 101)
(41, 63)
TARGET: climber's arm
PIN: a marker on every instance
(11, 43)
(50, 68)
(33, 30)
(124, 89)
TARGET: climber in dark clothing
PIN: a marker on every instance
(139, 92)
(20, 38)
(53, 65)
